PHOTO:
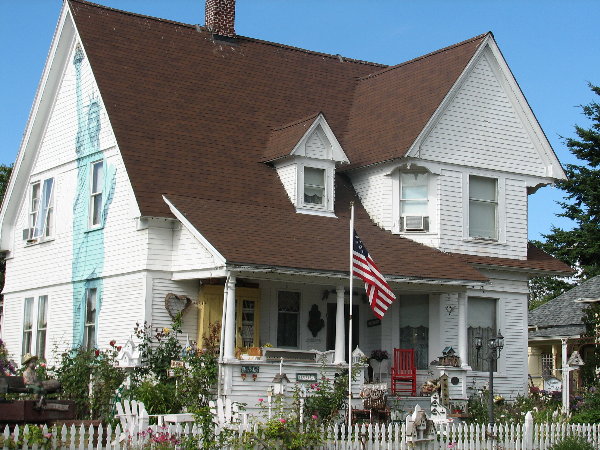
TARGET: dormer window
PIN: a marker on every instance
(314, 186)
(305, 155)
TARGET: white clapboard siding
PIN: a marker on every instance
(511, 291)
(374, 187)
(161, 286)
(288, 176)
(46, 268)
(188, 253)
(481, 128)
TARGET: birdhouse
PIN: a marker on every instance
(575, 360)
(129, 355)
(358, 357)
(280, 381)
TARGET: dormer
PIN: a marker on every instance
(305, 154)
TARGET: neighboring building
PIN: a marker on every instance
(557, 324)
(164, 158)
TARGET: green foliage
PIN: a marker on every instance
(545, 407)
(543, 289)
(7, 366)
(580, 247)
(587, 409)
(327, 397)
(90, 378)
(34, 436)
(573, 443)
(591, 320)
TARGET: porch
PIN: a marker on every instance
(306, 319)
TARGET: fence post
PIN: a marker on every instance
(528, 431)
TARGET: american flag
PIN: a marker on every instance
(379, 292)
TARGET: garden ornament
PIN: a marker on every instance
(33, 383)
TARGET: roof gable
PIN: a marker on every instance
(311, 137)
(391, 107)
(485, 121)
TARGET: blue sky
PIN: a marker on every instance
(551, 46)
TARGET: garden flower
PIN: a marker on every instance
(282, 420)
(314, 417)
(261, 400)
(112, 343)
(166, 330)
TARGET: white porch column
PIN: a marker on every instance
(229, 345)
(566, 385)
(340, 332)
(463, 345)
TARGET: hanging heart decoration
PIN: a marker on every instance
(176, 304)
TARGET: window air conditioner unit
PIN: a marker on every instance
(27, 234)
(414, 223)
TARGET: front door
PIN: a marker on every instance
(331, 312)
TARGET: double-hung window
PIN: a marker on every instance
(42, 326)
(481, 322)
(314, 186)
(96, 187)
(35, 324)
(41, 209)
(414, 202)
(89, 335)
(288, 308)
(483, 207)
(27, 326)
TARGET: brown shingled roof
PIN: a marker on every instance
(266, 235)
(194, 116)
(537, 259)
(383, 126)
(285, 138)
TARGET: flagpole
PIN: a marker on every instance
(350, 320)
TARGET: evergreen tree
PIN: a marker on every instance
(579, 247)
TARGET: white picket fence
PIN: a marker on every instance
(526, 436)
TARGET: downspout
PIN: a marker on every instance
(222, 341)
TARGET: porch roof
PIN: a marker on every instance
(278, 236)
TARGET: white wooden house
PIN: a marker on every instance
(162, 157)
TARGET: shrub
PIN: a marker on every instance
(90, 378)
(573, 443)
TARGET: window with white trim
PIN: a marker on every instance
(35, 324)
(89, 333)
(41, 210)
(482, 323)
(96, 188)
(288, 310)
(483, 207)
(27, 326)
(42, 326)
(314, 186)
(414, 201)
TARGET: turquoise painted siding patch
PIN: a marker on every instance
(88, 240)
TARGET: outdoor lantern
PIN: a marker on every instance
(478, 342)
(492, 343)
(500, 341)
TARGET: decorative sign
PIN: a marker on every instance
(306, 377)
(250, 369)
(552, 384)
(373, 323)
(176, 304)
(175, 364)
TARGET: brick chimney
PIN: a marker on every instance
(220, 17)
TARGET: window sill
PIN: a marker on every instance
(315, 212)
(484, 241)
(37, 241)
(91, 230)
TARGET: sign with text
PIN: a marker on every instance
(250, 369)
(306, 377)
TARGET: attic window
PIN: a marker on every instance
(314, 186)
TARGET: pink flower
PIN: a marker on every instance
(314, 417)
(282, 420)
(261, 400)
(48, 435)
(43, 365)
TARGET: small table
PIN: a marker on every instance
(168, 419)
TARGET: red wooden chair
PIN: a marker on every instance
(404, 372)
